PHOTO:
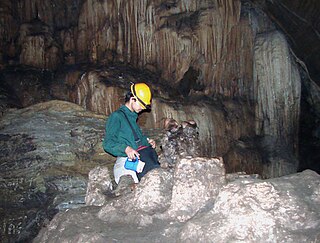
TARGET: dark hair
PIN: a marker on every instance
(128, 96)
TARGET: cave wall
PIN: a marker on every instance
(222, 63)
(300, 21)
(277, 88)
(213, 40)
(222, 50)
(166, 37)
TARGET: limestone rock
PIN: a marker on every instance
(284, 209)
(152, 195)
(160, 197)
(38, 48)
(47, 151)
(91, 92)
(99, 183)
(87, 227)
(180, 140)
(194, 184)
(170, 37)
(197, 182)
(277, 117)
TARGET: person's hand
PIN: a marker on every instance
(131, 153)
(151, 142)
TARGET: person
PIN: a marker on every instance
(119, 139)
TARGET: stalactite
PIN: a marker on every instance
(143, 34)
(277, 89)
(213, 38)
(91, 93)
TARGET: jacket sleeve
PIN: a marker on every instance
(111, 143)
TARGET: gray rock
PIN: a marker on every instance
(99, 184)
(197, 182)
(46, 152)
(152, 195)
(179, 141)
(155, 209)
(285, 209)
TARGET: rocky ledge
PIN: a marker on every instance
(46, 152)
(195, 203)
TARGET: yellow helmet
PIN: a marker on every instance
(142, 93)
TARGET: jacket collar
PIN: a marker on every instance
(128, 112)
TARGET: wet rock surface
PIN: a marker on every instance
(47, 151)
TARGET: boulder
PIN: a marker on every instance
(197, 182)
(47, 151)
(161, 197)
(99, 183)
(284, 209)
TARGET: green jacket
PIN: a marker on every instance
(118, 133)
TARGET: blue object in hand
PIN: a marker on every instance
(131, 164)
(135, 165)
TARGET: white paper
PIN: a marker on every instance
(140, 166)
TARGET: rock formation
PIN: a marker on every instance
(274, 210)
(246, 71)
(209, 50)
(99, 184)
(298, 17)
(180, 140)
(47, 151)
(285, 86)
(195, 204)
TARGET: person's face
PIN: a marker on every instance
(136, 107)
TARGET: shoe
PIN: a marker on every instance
(125, 185)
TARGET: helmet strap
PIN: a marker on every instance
(135, 95)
